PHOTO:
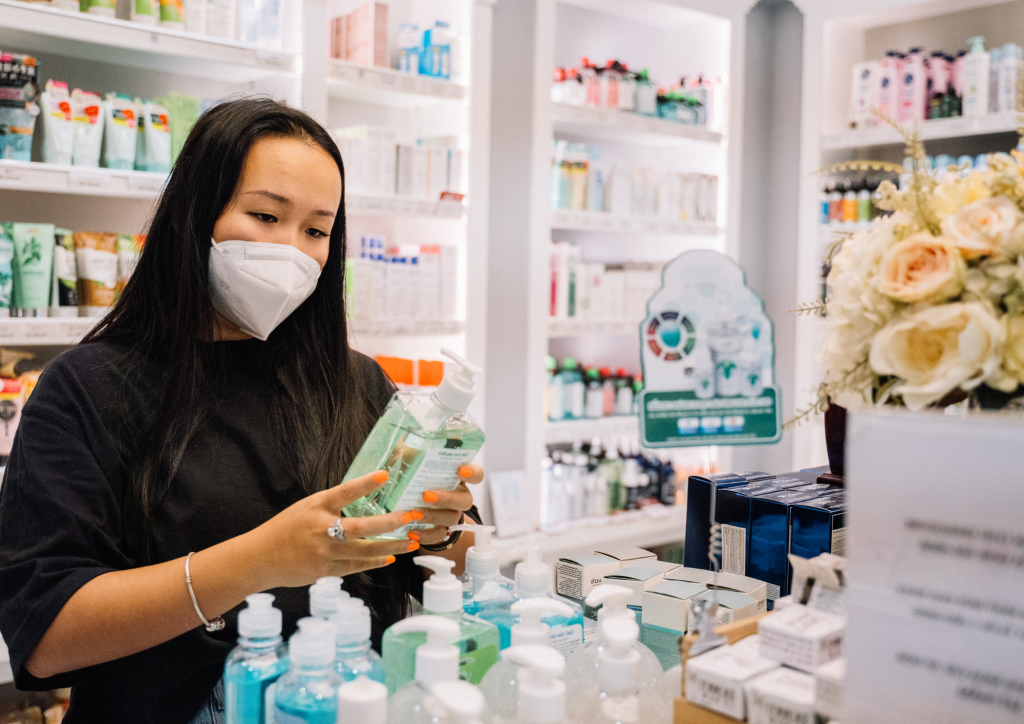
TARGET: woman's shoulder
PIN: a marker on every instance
(372, 380)
(84, 376)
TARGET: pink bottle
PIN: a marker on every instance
(913, 88)
(889, 85)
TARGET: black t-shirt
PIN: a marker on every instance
(61, 522)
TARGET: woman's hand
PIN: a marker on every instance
(447, 506)
(296, 549)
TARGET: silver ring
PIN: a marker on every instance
(337, 531)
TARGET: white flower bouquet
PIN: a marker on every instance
(927, 305)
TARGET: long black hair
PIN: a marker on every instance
(166, 312)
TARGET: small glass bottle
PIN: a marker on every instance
(308, 693)
(256, 663)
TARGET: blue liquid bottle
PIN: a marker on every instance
(308, 693)
(256, 663)
(482, 583)
(353, 655)
(325, 596)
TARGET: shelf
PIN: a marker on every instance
(80, 180)
(406, 327)
(619, 126)
(568, 431)
(599, 221)
(386, 86)
(32, 28)
(42, 331)
(398, 206)
(573, 327)
(651, 526)
(940, 128)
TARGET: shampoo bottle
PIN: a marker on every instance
(256, 663)
(363, 701)
(482, 583)
(353, 655)
(477, 640)
(521, 673)
(976, 78)
(422, 440)
(436, 660)
(308, 693)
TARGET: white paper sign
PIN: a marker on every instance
(508, 504)
(936, 569)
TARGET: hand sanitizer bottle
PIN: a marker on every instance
(325, 595)
(436, 659)
(353, 656)
(482, 583)
(422, 440)
(621, 698)
(542, 693)
(456, 702)
(503, 687)
(308, 693)
(257, 662)
(442, 596)
(535, 579)
(363, 701)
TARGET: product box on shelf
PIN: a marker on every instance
(366, 35)
(742, 584)
(665, 617)
(700, 491)
(819, 526)
(576, 577)
(802, 637)
(716, 679)
(781, 695)
(829, 681)
(369, 154)
(627, 555)
(700, 576)
(641, 577)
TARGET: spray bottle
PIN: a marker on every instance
(422, 440)
(363, 701)
(436, 660)
(621, 699)
(308, 693)
(257, 662)
(482, 583)
(353, 656)
(478, 640)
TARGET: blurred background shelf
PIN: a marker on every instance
(386, 86)
(80, 180)
(45, 331)
(600, 221)
(406, 327)
(627, 126)
(567, 431)
(592, 327)
(937, 129)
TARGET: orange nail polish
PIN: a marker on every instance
(381, 476)
(390, 559)
(413, 546)
(413, 536)
(416, 515)
(465, 471)
(430, 496)
(406, 517)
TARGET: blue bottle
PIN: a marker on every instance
(308, 693)
(256, 663)
(482, 583)
(353, 655)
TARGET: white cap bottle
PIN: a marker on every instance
(500, 685)
(313, 645)
(456, 702)
(442, 593)
(542, 693)
(324, 596)
(458, 386)
(533, 576)
(618, 663)
(437, 659)
(363, 701)
(259, 619)
(531, 629)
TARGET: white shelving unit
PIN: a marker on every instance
(931, 130)
(619, 126)
(573, 327)
(78, 180)
(566, 431)
(407, 327)
(610, 223)
(45, 331)
(387, 86)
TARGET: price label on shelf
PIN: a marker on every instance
(12, 174)
(146, 182)
(79, 180)
(273, 60)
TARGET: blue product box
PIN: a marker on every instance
(819, 526)
(699, 492)
(768, 541)
(733, 512)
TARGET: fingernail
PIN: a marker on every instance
(465, 471)
(416, 515)
(389, 560)
(413, 536)
(430, 496)
(407, 517)
(381, 476)
(413, 546)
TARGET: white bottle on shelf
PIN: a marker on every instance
(1009, 70)
(976, 78)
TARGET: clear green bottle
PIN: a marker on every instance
(478, 641)
(422, 440)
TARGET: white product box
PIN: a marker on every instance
(438, 173)
(618, 191)
(732, 606)
(667, 605)
(829, 684)
(690, 575)
(449, 295)
(639, 578)
(802, 637)
(863, 94)
(670, 194)
(430, 273)
(413, 172)
(715, 679)
(576, 577)
(615, 293)
(627, 555)
(758, 590)
(369, 156)
(782, 696)
(781, 604)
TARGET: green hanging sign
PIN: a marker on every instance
(708, 356)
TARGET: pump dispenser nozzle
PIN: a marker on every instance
(977, 43)
(533, 576)
(437, 659)
(443, 592)
(612, 600)
(458, 702)
(259, 619)
(458, 386)
(541, 690)
(324, 596)
(618, 661)
(530, 629)
(481, 559)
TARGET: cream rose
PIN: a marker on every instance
(982, 227)
(1013, 351)
(935, 350)
(922, 268)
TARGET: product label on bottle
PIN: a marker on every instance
(438, 471)
(566, 639)
(734, 549)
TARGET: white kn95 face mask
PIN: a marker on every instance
(257, 285)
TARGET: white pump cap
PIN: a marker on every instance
(259, 619)
(458, 386)
(324, 596)
(618, 662)
(352, 622)
(313, 644)
(458, 702)
(612, 600)
(437, 659)
(530, 629)
(481, 559)
(363, 701)
(443, 592)
(541, 691)
(533, 576)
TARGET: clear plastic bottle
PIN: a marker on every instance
(482, 583)
(363, 701)
(478, 640)
(572, 382)
(325, 596)
(623, 393)
(621, 698)
(256, 663)
(308, 693)
(436, 660)
(556, 392)
(353, 654)
(594, 400)
(456, 702)
(612, 468)
(519, 679)
(422, 440)
(627, 90)
(646, 95)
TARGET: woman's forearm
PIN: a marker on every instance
(123, 612)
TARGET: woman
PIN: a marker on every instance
(214, 411)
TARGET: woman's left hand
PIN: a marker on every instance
(447, 506)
